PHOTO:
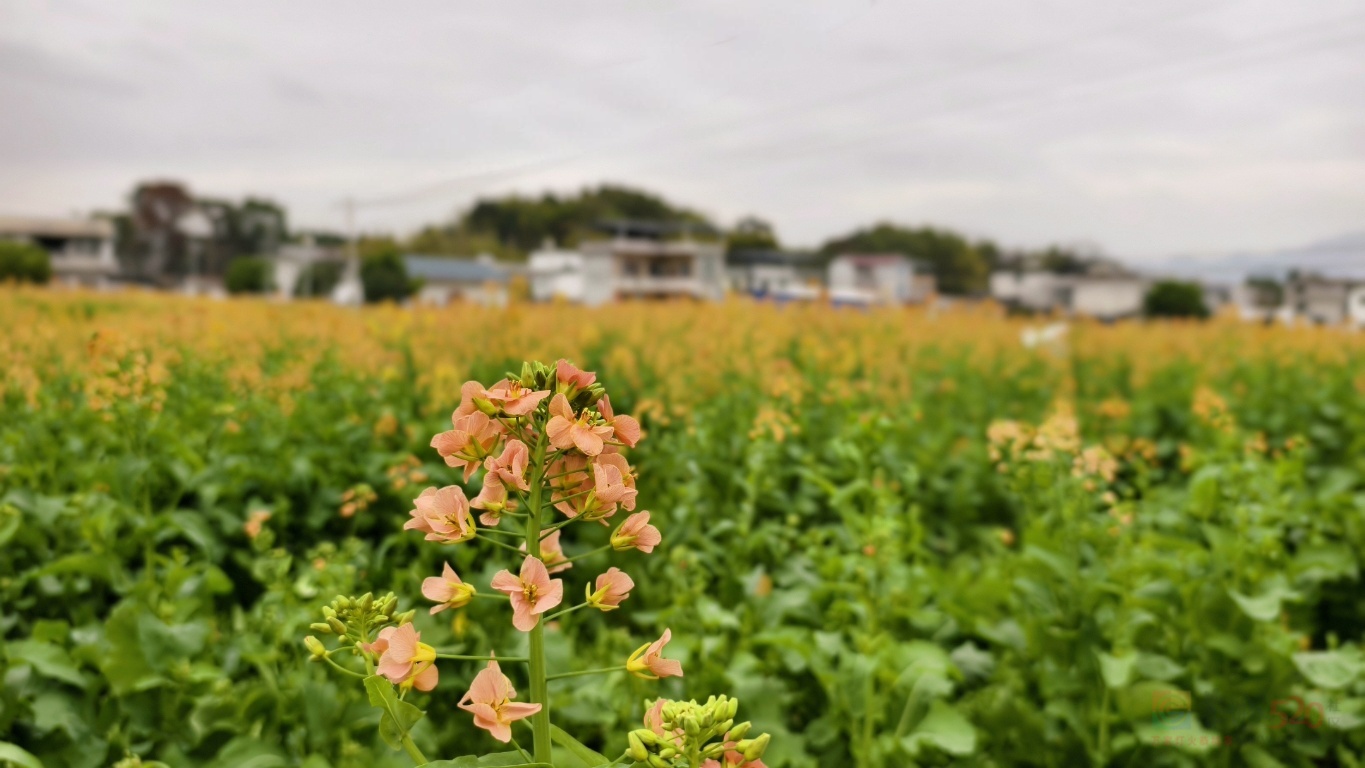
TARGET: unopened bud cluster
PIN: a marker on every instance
(686, 734)
(355, 620)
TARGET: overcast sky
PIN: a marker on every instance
(1151, 128)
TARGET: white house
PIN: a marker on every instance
(1107, 297)
(1356, 307)
(81, 250)
(556, 273)
(1322, 300)
(780, 275)
(292, 262)
(871, 278)
(480, 280)
(602, 271)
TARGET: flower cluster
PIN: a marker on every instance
(549, 448)
(685, 734)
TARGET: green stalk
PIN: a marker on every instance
(540, 689)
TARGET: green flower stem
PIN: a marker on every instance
(582, 672)
(459, 657)
(342, 669)
(588, 554)
(583, 471)
(490, 596)
(507, 547)
(540, 690)
(552, 528)
(511, 534)
(414, 753)
(564, 612)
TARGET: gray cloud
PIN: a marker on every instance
(1152, 128)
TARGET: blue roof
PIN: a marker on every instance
(453, 269)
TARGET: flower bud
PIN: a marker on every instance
(691, 727)
(738, 731)
(321, 628)
(315, 647)
(635, 749)
(756, 748)
(656, 761)
(336, 625)
(405, 617)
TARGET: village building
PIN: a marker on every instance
(81, 251)
(446, 279)
(773, 274)
(873, 278)
(641, 261)
(1107, 296)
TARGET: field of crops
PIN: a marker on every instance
(897, 537)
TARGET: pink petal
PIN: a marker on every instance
(426, 679)
(504, 581)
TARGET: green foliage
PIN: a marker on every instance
(249, 274)
(848, 580)
(24, 263)
(1172, 298)
(752, 234)
(959, 266)
(319, 278)
(384, 276)
(514, 226)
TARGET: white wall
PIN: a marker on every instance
(1107, 299)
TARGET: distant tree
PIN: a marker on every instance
(24, 263)
(1063, 261)
(318, 279)
(752, 234)
(514, 226)
(249, 274)
(1173, 298)
(385, 277)
(959, 266)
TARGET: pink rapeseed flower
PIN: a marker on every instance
(470, 440)
(654, 721)
(489, 699)
(443, 515)
(626, 428)
(571, 378)
(648, 664)
(473, 398)
(614, 481)
(552, 554)
(611, 588)
(405, 660)
(532, 593)
(492, 499)
(510, 468)
(447, 590)
(568, 431)
(636, 533)
(514, 399)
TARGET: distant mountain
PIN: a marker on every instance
(1341, 256)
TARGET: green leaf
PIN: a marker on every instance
(1332, 670)
(1117, 671)
(10, 753)
(945, 728)
(1261, 608)
(399, 716)
(49, 661)
(10, 518)
(562, 738)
